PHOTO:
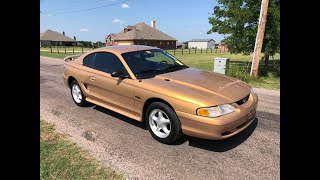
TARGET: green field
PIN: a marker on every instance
(239, 67)
(61, 159)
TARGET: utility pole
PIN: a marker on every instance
(259, 38)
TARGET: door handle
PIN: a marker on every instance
(92, 78)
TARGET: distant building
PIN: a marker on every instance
(180, 45)
(142, 34)
(201, 43)
(110, 39)
(50, 37)
(222, 47)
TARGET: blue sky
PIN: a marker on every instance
(181, 19)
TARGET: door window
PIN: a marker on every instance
(108, 63)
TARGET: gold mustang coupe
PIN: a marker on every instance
(149, 85)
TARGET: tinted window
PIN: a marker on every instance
(88, 60)
(109, 63)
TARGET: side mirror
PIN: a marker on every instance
(119, 74)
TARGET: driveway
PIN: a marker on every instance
(127, 146)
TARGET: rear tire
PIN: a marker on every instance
(163, 123)
(77, 95)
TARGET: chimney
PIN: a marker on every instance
(63, 33)
(153, 24)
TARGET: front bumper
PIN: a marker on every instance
(221, 127)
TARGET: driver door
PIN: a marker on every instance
(112, 91)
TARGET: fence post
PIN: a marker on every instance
(50, 48)
(58, 49)
(220, 50)
(82, 49)
(189, 50)
(206, 50)
(182, 50)
(195, 50)
(72, 50)
(174, 51)
(65, 50)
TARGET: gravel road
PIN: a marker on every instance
(127, 146)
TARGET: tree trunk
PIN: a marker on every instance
(266, 63)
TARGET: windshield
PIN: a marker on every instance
(148, 63)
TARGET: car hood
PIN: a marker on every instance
(207, 84)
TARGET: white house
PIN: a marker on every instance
(201, 43)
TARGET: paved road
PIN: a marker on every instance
(127, 146)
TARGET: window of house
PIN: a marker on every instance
(88, 60)
(108, 63)
(168, 43)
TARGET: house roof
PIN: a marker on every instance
(201, 40)
(50, 35)
(142, 31)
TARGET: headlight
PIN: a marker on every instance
(216, 110)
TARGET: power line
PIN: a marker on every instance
(59, 9)
(93, 8)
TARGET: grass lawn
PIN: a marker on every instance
(53, 55)
(61, 159)
(205, 61)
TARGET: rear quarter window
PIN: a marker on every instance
(88, 60)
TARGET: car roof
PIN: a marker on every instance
(116, 49)
(125, 48)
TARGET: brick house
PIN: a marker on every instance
(222, 47)
(142, 34)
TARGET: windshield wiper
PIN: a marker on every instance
(148, 71)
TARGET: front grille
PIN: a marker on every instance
(243, 100)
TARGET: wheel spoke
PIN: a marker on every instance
(158, 128)
(166, 130)
(165, 121)
(156, 119)
(160, 115)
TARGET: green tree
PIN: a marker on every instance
(238, 21)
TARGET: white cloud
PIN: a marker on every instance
(124, 6)
(49, 14)
(84, 30)
(116, 20)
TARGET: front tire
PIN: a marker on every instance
(163, 123)
(77, 94)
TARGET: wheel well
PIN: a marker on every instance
(70, 79)
(150, 101)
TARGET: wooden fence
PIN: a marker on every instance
(194, 51)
